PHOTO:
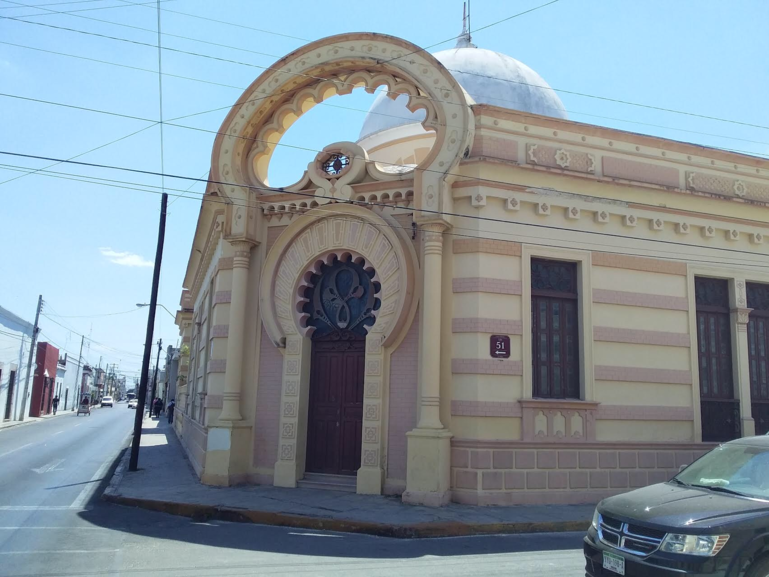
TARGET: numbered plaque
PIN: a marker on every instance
(500, 347)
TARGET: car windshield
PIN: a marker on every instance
(742, 469)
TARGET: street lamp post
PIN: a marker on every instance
(140, 305)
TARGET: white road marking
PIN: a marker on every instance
(16, 449)
(52, 528)
(49, 467)
(81, 551)
(98, 475)
(59, 433)
(35, 508)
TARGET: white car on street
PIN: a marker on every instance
(133, 403)
(106, 402)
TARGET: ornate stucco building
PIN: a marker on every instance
(479, 300)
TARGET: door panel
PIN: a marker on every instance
(336, 407)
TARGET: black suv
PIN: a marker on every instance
(712, 519)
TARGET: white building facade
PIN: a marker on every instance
(15, 341)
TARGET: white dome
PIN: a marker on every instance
(488, 77)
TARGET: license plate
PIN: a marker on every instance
(614, 563)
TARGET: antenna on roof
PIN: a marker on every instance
(464, 40)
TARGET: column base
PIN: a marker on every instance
(428, 469)
(369, 481)
(285, 474)
(748, 427)
(227, 450)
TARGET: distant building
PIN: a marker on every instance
(172, 372)
(15, 340)
(44, 379)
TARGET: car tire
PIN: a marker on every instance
(759, 569)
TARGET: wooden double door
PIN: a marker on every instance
(335, 416)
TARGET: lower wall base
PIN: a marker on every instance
(507, 498)
(518, 473)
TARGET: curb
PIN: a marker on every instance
(414, 531)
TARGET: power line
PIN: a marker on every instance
(478, 29)
(81, 154)
(327, 104)
(474, 217)
(251, 139)
(604, 98)
(72, 12)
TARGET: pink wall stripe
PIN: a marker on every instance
(485, 409)
(482, 325)
(642, 375)
(638, 263)
(268, 392)
(222, 297)
(644, 413)
(486, 367)
(486, 285)
(220, 331)
(635, 336)
(614, 167)
(217, 365)
(633, 299)
(404, 384)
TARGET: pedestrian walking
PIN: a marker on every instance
(55, 404)
(158, 404)
(170, 411)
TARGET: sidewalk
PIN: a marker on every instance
(166, 482)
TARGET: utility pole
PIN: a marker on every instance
(155, 378)
(31, 353)
(78, 394)
(133, 464)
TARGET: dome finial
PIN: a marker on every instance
(464, 40)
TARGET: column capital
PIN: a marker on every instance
(742, 316)
(432, 235)
(242, 248)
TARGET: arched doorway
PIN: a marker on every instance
(341, 304)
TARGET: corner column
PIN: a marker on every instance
(234, 372)
(428, 466)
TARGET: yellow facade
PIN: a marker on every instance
(455, 248)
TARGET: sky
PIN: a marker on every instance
(88, 247)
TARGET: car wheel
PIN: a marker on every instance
(759, 569)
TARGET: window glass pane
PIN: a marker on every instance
(557, 385)
(556, 316)
(714, 376)
(556, 347)
(544, 387)
(543, 347)
(543, 314)
(703, 339)
(712, 336)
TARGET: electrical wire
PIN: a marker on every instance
(68, 12)
(653, 253)
(372, 112)
(604, 98)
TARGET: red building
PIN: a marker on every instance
(44, 381)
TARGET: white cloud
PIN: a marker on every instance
(124, 258)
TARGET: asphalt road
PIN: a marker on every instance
(52, 523)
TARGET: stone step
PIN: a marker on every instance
(345, 483)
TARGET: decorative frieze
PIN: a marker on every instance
(727, 186)
(561, 158)
(558, 420)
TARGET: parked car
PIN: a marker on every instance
(711, 519)
(133, 403)
(106, 402)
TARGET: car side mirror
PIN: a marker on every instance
(682, 467)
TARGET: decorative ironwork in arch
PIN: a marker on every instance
(341, 300)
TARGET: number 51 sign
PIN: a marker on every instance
(500, 346)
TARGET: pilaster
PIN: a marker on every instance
(428, 468)
(740, 316)
(234, 373)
